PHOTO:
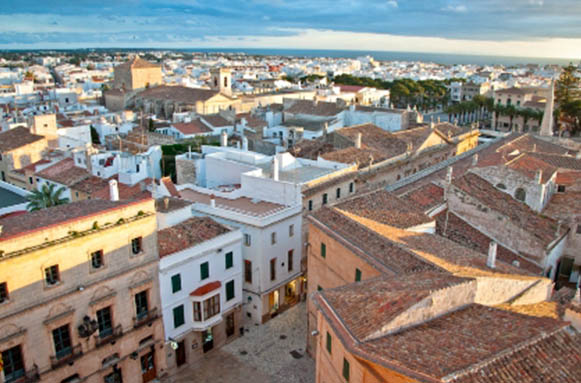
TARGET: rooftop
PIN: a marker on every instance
(194, 127)
(9, 198)
(188, 234)
(180, 94)
(316, 108)
(64, 172)
(242, 205)
(16, 138)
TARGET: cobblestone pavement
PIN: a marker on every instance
(262, 355)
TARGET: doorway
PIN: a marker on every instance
(273, 301)
(148, 372)
(207, 340)
(230, 326)
(181, 353)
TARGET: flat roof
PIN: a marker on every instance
(243, 205)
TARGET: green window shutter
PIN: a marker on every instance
(178, 316)
(346, 369)
(329, 343)
(323, 250)
(176, 283)
(229, 260)
(230, 290)
(357, 275)
(204, 270)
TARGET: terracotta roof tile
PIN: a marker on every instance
(309, 107)
(64, 172)
(194, 127)
(529, 165)
(188, 234)
(16, 138)
(180, 94)
(426, 197)
(216, 120)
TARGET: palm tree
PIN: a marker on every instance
(499, 110)
(46, 197)
(526, 114)
(511, 112)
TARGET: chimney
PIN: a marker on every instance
(438, 119)
(244, 143)
(449, 175)
(325, 128)
(475, 159)
(534, 148)
(432, 125)
(113, 191)
(213, 200)
(275, 168)
(166, 203)
(358, 141)
(558, 232)
(491, 261)
(539, 177)
(224, 139)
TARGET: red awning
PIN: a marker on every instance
(205, 289)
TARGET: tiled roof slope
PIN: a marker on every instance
(454, 228)
(180, 94)
(194, 127)
(188, 234)
(564, 206)
(555, 358)
(520, 214)
(391, 258)
(529, 165)
(562, 162)
(16, 138)
(529, 143)
(362, 157)
(64, 172)
(425, 197)
(53, 216)
(373, 137)
(309, 107)
(367, 307)
(384, 207)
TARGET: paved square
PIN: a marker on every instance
(271, 353)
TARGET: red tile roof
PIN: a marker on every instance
(518, 213)
(188, 234)
(205, 289)
(568, 178)
(425, 197)
(194, 127)
(216, 120)
(529, 165)
(64, 172)
(171, 188)
(179, 94)
(350, 88)
(309, 107)
(16, 138)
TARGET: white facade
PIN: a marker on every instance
(186, 265)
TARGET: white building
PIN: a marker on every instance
(200, 271)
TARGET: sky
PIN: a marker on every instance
(534, 28)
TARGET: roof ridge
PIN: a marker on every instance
(506, 352)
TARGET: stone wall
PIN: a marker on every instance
(185, 171)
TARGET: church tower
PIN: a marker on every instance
(222, 80)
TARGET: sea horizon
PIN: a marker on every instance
(438, 58)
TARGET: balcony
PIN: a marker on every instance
(145, 318)
(108, 337)
(66, 356)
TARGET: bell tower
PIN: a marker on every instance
(221, 79)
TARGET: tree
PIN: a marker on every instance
(47, 197)
(568, 98)
(511, 112)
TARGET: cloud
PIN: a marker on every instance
(456, 8)
(392, 3)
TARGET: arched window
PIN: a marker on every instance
(501, 186)
(520, 194)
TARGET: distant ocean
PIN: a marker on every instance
(439, 58)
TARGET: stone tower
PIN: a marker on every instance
(547, 124)
(222, 80)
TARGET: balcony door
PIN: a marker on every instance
(148, 372)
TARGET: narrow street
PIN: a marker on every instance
(271, 353)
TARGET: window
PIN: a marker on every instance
(520, 194)
(273, 238)
(229, 260)
(51, 275)
(319, 288)
(248, 271)
(114, 377)
(291, 230)
(351, 187)
(97, 259)
(105, 322)
(30, 180)
(211, 307)
(325, 198)
(13, 364)
(273, 269)
(561, 188)
(357, 275)
(62, 341)
(501, 186)
(204, 270)
(136, 245)
(338, 193)
(197, 312)
(178, 316)
(329, 343)
(3, 292)
(323, 250)
(290, 260)
(141, 305)
(176, 283)
(230, 290)
(247, 240)
(346, 369)
(579, 228)
(310, 205)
